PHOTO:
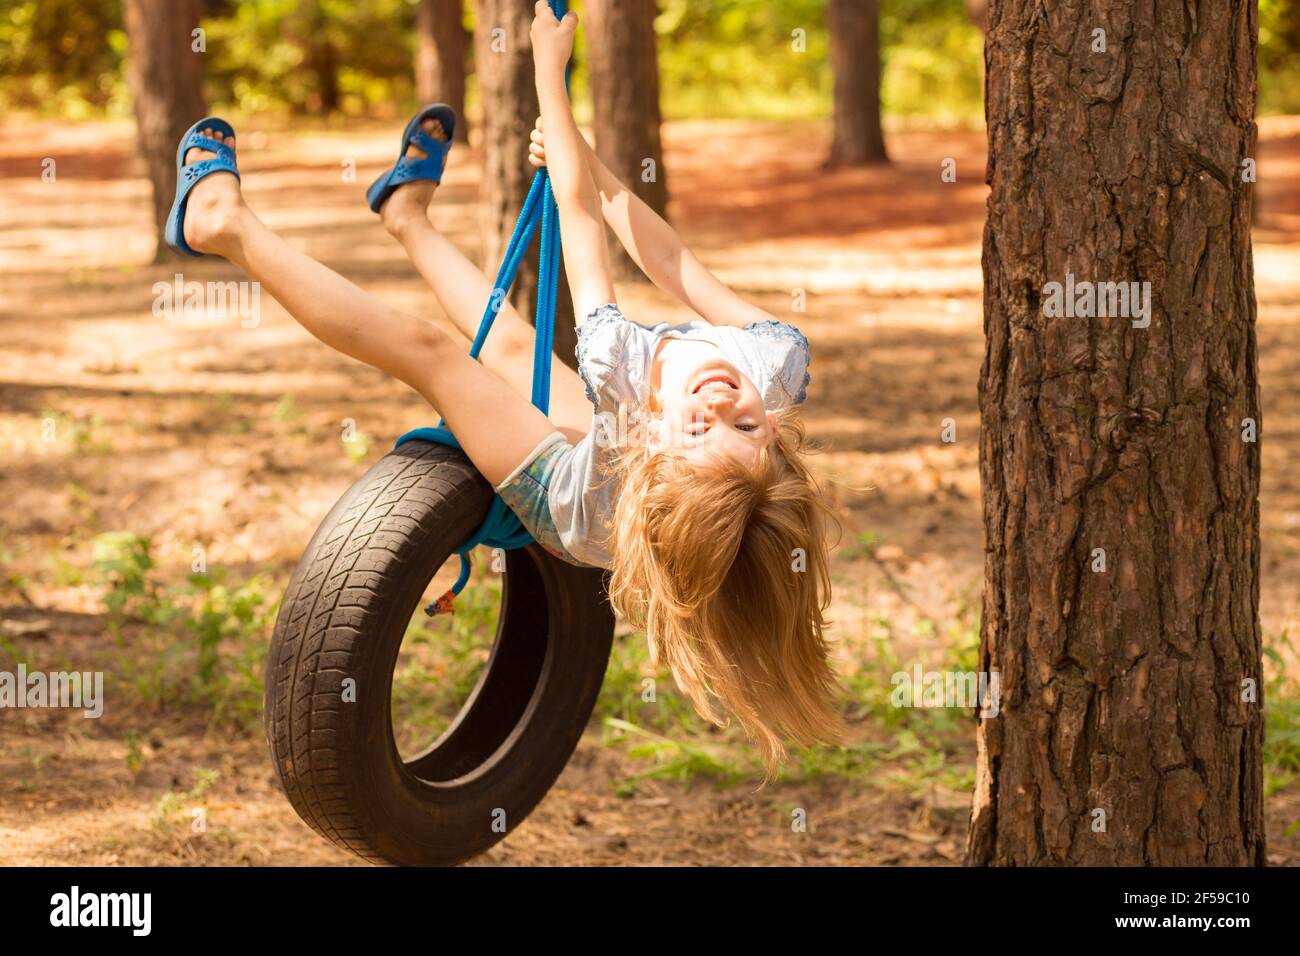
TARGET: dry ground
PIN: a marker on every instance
(171, 430)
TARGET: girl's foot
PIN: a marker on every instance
(410, 203)
(214, 204)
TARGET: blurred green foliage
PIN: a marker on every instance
(743, 58)
(1279, 56)
(62, 56)
(305, 56)
(718, 58)
(311, 56)
(933, 61)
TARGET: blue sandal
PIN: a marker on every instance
(187, 177)
(407, 169)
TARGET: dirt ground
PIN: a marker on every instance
(177, 436)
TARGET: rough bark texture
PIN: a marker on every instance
(623, 65)
(854, 29)
(504, 66)
(442, 45)
(1122, 689)
(166, 80)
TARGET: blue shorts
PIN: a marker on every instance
(525, 491)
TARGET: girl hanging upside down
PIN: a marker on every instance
(672, 457)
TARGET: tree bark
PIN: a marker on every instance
(166, 79)
(503, 59)
(854, 30)
(623, 67)
(1124, 685)
(442, 47)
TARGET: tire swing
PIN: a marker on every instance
(346, 610)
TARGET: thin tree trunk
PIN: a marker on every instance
(854, 30)
(319, 56)
(442, 47)
(165, 75)
(503, 59)
(624, 70)
(1119, 470)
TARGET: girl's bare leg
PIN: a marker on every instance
(496, 427)
(464, 291)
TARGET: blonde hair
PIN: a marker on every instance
(726, 569)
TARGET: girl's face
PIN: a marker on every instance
(709, 408)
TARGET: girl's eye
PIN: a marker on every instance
(748, 428)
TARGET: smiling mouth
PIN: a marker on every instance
(725, 381)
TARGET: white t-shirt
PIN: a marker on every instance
(614, 360)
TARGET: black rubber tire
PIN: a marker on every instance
(344, 615)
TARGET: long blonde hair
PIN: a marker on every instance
(726, 569)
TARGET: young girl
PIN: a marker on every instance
(672, 458)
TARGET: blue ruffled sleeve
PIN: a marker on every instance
(612, 360)
(789, 355)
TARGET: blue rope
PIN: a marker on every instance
(501, 528)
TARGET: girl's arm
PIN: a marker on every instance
(653, 244)
(589, 271)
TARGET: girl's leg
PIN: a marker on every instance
(463, 292)
(496, 427)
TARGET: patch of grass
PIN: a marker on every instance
(206, 640)
(174, 810)
(922, 741)
(441, 660)
(122, 563)
(287, 411)
(641, 712)
(10, 651)
(66, 573)
(228, 629)
(82, 505)
(823, 762)
(679, 759)
(134, 752)
(634, 692)
(1281, 720)
(860, 545)
(655, 723)
(84, 435)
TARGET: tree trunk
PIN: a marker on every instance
(310, 29)
(854, 30)
(1121, 513)
(165, 75)
(503, 59)
(442, 46)
(623, 68)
